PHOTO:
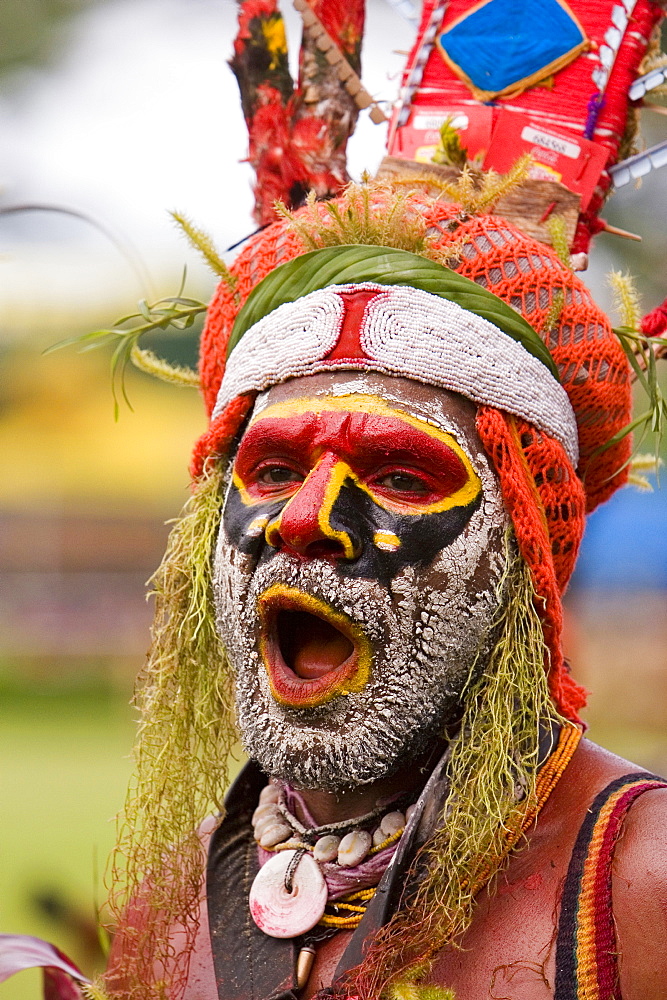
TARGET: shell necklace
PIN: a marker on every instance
(308, 867)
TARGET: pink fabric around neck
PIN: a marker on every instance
(340, 881)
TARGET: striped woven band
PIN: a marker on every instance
(586, 950)
(405, 331)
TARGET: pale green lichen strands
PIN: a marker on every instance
(186, 733)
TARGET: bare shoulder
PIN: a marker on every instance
(639, 894)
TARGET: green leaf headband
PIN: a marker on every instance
(355, 263)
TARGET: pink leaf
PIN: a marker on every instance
(59, 986)
(20, 951)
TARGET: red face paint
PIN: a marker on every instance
(355, 482)
(350, 480)
(396, 462)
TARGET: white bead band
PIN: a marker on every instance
(407, 332)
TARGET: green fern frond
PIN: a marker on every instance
(178, 312)
(642, 354)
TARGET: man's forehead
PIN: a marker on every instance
(370, 392)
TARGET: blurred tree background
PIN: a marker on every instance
(83, 504)
(119, 110)
(32, 30)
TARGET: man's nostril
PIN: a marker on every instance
(325, 548)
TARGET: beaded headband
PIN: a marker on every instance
(340, 265)
(405, 331)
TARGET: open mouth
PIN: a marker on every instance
(311, 652)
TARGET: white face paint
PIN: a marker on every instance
(428, 627)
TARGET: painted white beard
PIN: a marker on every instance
(426, 641)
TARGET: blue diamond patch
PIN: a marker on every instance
(507, 45)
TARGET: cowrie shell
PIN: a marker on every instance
(326, 848)
(265, 822)
(378, 837)
(392, 823)
(270, 793)
(283, 914)
(265, 809)
(274, 834)
(354, 847)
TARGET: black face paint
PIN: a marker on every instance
(420, 536)
(350, 513)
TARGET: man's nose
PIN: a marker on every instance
(304, 524)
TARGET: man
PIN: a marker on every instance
(397, 453)
(412, 407)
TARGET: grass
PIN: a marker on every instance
(64, 769)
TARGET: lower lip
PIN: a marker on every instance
(287, 687)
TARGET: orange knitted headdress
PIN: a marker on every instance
(546, 496)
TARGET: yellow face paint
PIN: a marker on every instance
(386, 540)
(257, 526)
(325, 481)
(286, 686)
(368, 405)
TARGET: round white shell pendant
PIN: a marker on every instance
(283, 914)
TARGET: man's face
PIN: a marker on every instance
(356, 573)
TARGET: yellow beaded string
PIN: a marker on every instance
(349, 902)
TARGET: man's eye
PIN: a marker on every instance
(403, 482)
(278, 475)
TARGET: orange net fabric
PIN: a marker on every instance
(593, 368)
(266, 250)
(546, 498)
(546, 502)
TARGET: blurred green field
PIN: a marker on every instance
(64, 768)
